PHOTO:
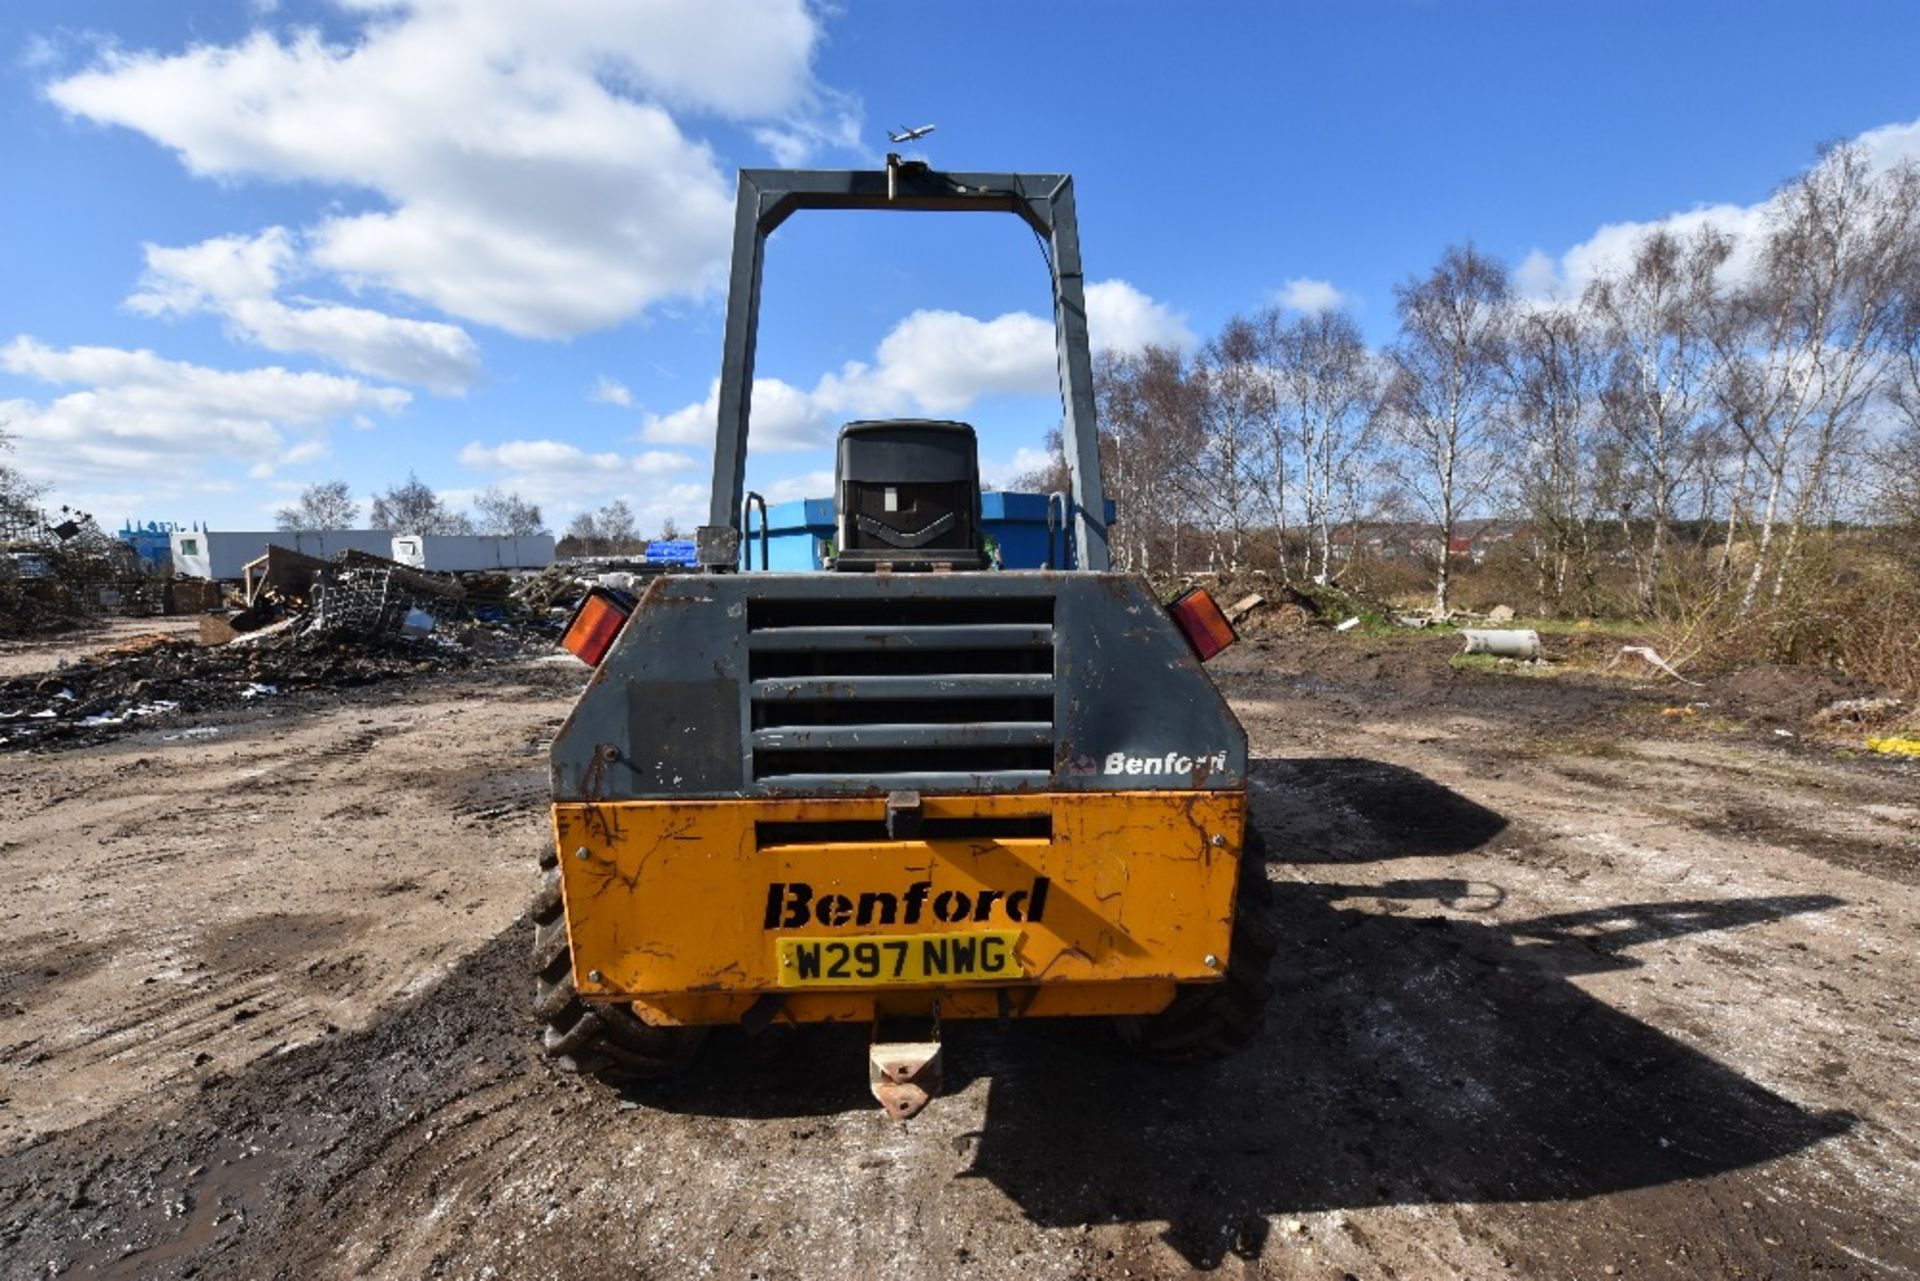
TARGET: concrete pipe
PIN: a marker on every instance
(1504, 643)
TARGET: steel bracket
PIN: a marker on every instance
(905, 1075)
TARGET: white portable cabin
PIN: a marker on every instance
(222, 555)
(467, 553)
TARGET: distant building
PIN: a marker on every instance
(152, 541)
(469, 553)
(221, 555)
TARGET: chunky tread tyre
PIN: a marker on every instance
(549, 943)
(606, 1041)
(547, 901)
(1213, 1020)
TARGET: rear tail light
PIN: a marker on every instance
(591, 631)
(1201, 621)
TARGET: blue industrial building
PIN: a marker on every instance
(800, 533)
(152, 540)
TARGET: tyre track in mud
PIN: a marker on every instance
(237, 893)
(1536, 1016)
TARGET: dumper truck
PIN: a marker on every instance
(908, 787)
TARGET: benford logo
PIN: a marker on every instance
(1171, 763)
(792, 904)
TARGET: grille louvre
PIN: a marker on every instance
(935, 694)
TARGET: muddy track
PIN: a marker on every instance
(1541, 1011)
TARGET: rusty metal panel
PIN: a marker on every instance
(677, 898)
(692, 732)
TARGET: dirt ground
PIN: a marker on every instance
(1569, 986)
(24, 657)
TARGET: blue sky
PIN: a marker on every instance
(248, 246)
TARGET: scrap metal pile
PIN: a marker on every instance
(309, 624)
(360, 594)
(56, 571)
(161, 678)
(354, 594)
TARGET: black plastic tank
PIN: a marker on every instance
(906, 496)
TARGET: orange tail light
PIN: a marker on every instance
(591, 631)
(1202, 622)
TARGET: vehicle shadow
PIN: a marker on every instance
(1350, 810)
(1409, 1056)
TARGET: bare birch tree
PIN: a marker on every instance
(1897, 465)
(1656, 318)
(413, 508)
(1444, 396)
(326, 504)
(1897, 461)
(1558, 475)
(1236, 399)
(504, 512)
(1150, 453)
(1816, 336)
(1325, 386)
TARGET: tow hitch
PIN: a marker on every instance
(905, 1073)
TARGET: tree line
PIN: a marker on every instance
(1694, 417)
(412, 507)
(611, 530)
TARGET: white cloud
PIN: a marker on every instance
(1890, 144)
(307, 451)
(437, 356)
(937, 363)
(611, 391)
(787, 489)
(568, 459)
(1122, 318)
(788, 148)
(1612, 247)
(564, 478)
(536, 456)
(1543, 278)
(941, 362)
(998, 474)
(784, 417)
(176, 425)
(37, 53)
(531, 174)
(693, 424)
(1536, 277)
(237, 277)
(183, 281)
(795, 143)
(1309, 296)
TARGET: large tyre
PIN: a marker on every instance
(1213, 1020)
(606, 1041)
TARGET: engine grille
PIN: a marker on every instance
(924, 693)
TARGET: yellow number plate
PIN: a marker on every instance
(979, 956)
